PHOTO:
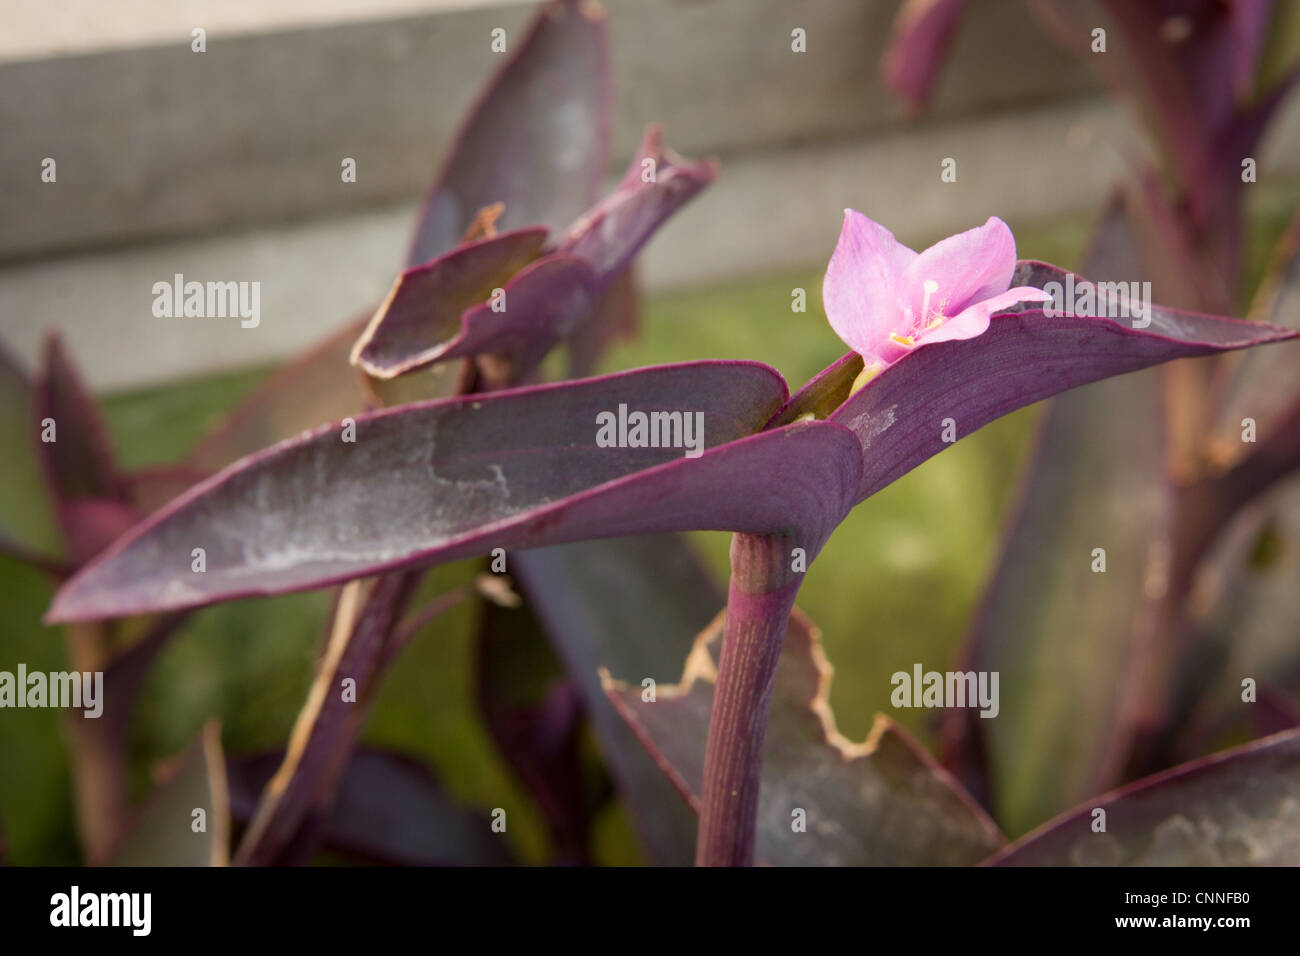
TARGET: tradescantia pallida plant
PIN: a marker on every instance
(961, 331)
(1201, 505)
(466, 461)
(513, 254)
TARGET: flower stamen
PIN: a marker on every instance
(930, 287)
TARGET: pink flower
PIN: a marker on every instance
(885, 300)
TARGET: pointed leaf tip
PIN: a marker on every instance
(537, 137)
(421, 321)
(433, 481)
(1025, 356)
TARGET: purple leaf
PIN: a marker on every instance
(631, 605)
(1236, 808)
(316, 387)
(1241, 135)
(923, 32)
(28, 525)
(1217, 207)
(1139, 63)
(657, 183)
(1190, 66)
(537, 138)
(390, 810)
(1263, 385)
(880, 802)
(1210, 502)
(544, 304)
(1044, 587)
(1063, 636)
(823, 393)
(151, 488)
(460, 477)
(524, 469)
(1024, 356)
(616, 316)
(1249, 23)
(535, 717)
(420, 322)
(91, 524)
(1237, 628)
(328, 725)
(80, 461)
(92, 499)
(440, 310)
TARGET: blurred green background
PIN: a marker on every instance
(895, 585)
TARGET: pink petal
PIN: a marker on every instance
(974, 320)
(968, 267)
(860, 291)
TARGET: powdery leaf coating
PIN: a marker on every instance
(435, 481)
(441, 310)
(1237, 808)
(1024, 356)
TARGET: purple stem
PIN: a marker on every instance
(761, 595)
